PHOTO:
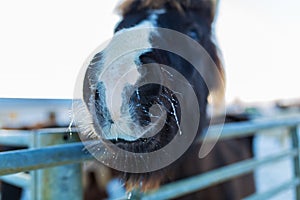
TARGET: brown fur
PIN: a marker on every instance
(149, 185)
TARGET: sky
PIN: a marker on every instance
(43, 45)
(260, 43)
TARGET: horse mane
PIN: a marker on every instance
(129, 6)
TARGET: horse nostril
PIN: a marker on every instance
(142, 100)
(148, 57)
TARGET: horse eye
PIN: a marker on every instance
(193, 33)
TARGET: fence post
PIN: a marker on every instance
(296, 145)
(62, 182)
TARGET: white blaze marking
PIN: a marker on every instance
(120, 71)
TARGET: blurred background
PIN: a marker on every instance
(43, 45)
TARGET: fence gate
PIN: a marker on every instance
(54, 161)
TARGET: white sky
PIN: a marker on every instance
(43, 44)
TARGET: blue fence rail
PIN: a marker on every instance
(50, 147)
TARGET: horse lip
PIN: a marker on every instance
(140, 145)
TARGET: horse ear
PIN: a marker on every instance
(214, 8)
(208, 7)
(215, 4)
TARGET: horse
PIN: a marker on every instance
(118, 118)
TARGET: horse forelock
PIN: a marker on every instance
(129, 6)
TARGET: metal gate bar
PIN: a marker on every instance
(40, 156)
(273, 192)
(32, 159)
(21, 180)
(213, 177)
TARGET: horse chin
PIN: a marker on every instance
(136, 146)
(145, 144)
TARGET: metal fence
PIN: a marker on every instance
(54, 161)
(45, 148)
